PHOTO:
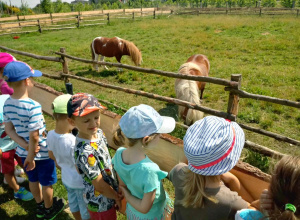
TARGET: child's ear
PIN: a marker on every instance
(145, 140)
(71, 121)
(27, 81)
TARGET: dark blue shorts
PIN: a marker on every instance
(44, 172)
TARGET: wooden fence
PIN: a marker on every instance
(60, 21)
(232, 86)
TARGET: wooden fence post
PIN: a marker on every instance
(154, 14)
(51, 18)
(297, 12)
(64, 64)
(19, 20)
(226, 7)
(78, 21)
(107, 18)
(132, 15)
(233, 101)
(39, 24)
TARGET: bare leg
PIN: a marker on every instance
(12, 182)
(36, 191)
(47, 192)
(102, 59)
(77, 215)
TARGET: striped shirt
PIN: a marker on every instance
(26, 116)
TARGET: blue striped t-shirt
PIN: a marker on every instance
(26, 116)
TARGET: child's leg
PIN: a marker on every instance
(77, 205)
(47, 192)
(12, 182)
(36, 191)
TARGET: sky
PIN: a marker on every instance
(30, 3)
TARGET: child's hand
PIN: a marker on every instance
(266, 201)
(29, 164)
(125, 191)
(37, 149)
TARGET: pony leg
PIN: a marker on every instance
(102, 59)
(96, 59)
(120, 69)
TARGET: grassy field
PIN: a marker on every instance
(265, 50)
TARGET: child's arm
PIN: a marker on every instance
(11, 132)
(105, 189)
(51, 155)
(233, 183)
(0, 153)
(142, 205)
(33, 145)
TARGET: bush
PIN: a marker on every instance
(287, 3)
(268, 3)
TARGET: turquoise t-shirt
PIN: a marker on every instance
(142, 177)
(249, 214)
(6, 144)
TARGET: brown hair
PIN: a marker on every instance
(193, 189)
(120, 139)
(285, 188)
(15, 84)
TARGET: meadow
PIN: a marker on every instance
(265, 50)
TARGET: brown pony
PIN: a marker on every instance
(114, 47)
(188, 90)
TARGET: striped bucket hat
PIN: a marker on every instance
(213, 145)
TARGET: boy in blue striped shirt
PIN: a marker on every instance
(24, 123)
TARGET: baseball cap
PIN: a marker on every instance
(213, 145)
(6, 58)
(82, 104)
(143, 120)
(60, 104)
(17, 71)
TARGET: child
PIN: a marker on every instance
(7, 158)
(6, 58)
(92, 157)
(139, 177)
(24, 123)
(212, 146)
(61, 145)
(282, 201)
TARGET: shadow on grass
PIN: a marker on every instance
(170, 110)
(103, 73)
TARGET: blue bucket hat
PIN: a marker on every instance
(143, 120)
(17, 71)
(213, 145)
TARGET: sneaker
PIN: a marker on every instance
(18, 171)
(23, 194)
(19, 180)
(57, 207)
(40, 211)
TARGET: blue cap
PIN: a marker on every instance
(17, 71)
(141, 121)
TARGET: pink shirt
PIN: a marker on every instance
(5, 89)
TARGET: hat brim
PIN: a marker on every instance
(230, 161)
(168, 125)
(37, 73)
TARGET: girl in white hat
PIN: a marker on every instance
(212, 146)
(140, 178)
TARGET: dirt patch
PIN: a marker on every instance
(266, 33)
(218, 31)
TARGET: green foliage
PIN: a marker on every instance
(287, 3)
(268, 3)
(47, 6)
(257, 160)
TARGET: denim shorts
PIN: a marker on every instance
(76, 202)
(44, 172)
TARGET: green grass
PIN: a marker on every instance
(265, 50)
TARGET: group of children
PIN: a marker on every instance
(97, 184)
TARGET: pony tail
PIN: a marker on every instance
(118, 137)
(193, 190)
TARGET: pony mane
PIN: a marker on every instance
(134, 52)
(186, 67)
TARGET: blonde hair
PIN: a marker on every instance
(285, 188)
(193, 189)
(120, 139)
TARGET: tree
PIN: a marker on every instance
(47, 6)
